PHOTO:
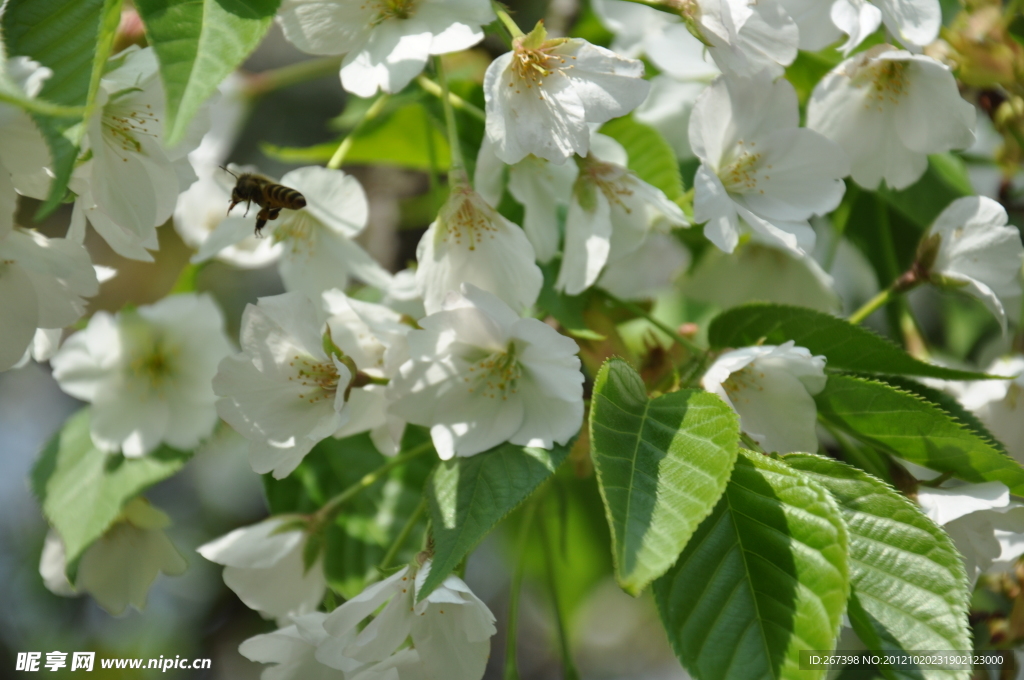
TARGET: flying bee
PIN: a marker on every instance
(267, 194)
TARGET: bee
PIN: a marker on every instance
(268, 195)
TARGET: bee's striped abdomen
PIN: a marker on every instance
(285, 197)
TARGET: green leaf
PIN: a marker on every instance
(650, 156)
(467, 498)
(765, 576)
(83, 489)
(914, 429)
(906, 577)
(402, 139)
(73, 38)
(199, 43)
(950, 405)
(848, 347)
(662, 464)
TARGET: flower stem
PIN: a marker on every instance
(403, 535)
(569, 671)
(333, 506)
(458, 165)
(263, 83)
(456, 101)
(346, 144)
(869, 307)
(664, 328)
(506, 20)
(511, 667)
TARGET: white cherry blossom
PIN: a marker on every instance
(23, 151)
(282, 392)
(541, 96)
(611, 215)
(772, 389)
(759, 171)
(386, 43)
(1000, 403)
(470, 242)
(43, 285)
(374, 336)
(147, 373)
(745, 38)
(263, 565)
(479, 376)
(451, 628)
(292, 650)
(119, 568)
(663, 37)
(889, 109)
(130, 183)
(971, 248)
(542, 187)
(984, 523)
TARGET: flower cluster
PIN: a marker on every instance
(566, 243)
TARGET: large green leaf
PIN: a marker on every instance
(199, 43)
(467, 497)
(765, 576)
(950, 405)
(650, 156)
(83, 489)
(847, 346)
(907, 579)
(662, 464)
(73, 38)
(914, 429)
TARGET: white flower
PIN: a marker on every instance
(318, 251)
(747, 38)
(889, 109)
(1000, 403)
(292, 650)
(664, 38)
(541, 96)
(645, 271)
(201, 222)
(542, 187)
(282, 392)
(451, 628)
(130, 178)
(263, 565)
(471, 242)
(23, 151)
(915, 23)
(479, 376)
(386, 42)
(814, 21)
(43, 283)
(118, 569)
(611, 214)
(760, 171)
(986, 526)
(374, 336)
(971, 248)
(147, 373)
(772, 390)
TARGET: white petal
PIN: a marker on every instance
(19, 308)
(587, 244)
